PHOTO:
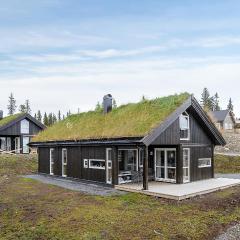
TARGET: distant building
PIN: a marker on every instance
(223, 119)
(16, 132)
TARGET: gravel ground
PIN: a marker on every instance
(228, 175)
(76, 185)
(233, 233)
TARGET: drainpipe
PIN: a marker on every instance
(145, 170)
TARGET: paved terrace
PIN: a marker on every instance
(181, 191)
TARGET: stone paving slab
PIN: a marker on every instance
(77, 185)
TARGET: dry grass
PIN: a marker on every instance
(131, 120)
(33, 210)
(227, 164)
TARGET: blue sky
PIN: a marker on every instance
(66, 54)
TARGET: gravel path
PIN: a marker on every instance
(228, 175)
(77, 185)
(233, 233)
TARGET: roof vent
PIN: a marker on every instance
(107, 103)
(1, 114)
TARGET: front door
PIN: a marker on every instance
(165, 164)
(109, 165)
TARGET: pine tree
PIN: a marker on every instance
(22, 108)
(216, 102)
(28, 109)
(12, 105)
(45, 119)
(230, 105)
(59, 116)
(50, 119)
(35, 115)
(206, 100)
(39, 116)
(54, 118)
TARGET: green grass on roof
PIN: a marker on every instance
(9, 119)
(131, 120)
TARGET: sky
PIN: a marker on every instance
(67, 54)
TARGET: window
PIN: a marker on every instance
(228, 126)
(204, 162)
(25, 144)
(141, 158)
(51, 162)
(186, 165)
(97, 163)
(64, 162)
(3, 143)
(85, 163)
(184, 126)
(128, 159)
(25, 126)
(9, 143)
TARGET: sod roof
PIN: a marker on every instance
(9, 119)
(130, 120)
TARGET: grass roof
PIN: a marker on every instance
(131, 120)
(9, 119)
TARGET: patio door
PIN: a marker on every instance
(165, 164)
(109, 165)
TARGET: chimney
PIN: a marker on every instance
(1, 114)
(107, 103)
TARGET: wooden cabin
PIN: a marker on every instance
(167, 139)
(16, 132)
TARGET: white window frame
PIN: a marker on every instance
(108, 166)
(188, 128)
(25, 149)
(204, 165)
(25, 126)
(188, 154)
(17, 145)
(51, 160)
(85, 163)
(64, 164)
(94, 167)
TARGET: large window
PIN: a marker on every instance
(51, 161)
(25, 144)
(204, 162)
(25, 126)
(97, 163)
(184, 126)
(128, 159)
(64, 162)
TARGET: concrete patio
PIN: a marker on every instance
(181, 191)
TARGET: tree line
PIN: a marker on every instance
(47, 119)
(211, 103)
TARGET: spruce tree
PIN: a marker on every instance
(28, 109)
(35, 115)
(54, 118)
(230, 105)
(22, 108)
(98, 107)
(39, 116)
(45, 119)
(216, 102)
(114, 103)
(206, 100)
(12, 105)
(59, 116)
(50, 119)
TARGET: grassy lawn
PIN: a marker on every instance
(227, 164)
(32, 210)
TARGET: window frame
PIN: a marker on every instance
(205, 165)
(94, 167)
(185, 129)
(24, 129)
(64, 164)
(51, 160)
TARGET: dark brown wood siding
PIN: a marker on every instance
(75, 159)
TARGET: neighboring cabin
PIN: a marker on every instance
(223, 119)
(16, 132)
(166, 139)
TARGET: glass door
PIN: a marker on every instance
(109, 166)
(17, 145)
(186, 165)
(165, 164)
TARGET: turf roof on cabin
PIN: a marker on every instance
(130, 120)
(9, 119)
